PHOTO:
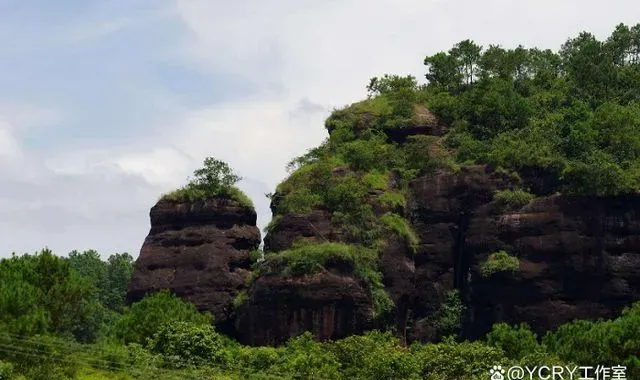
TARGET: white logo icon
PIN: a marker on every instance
(497, 373)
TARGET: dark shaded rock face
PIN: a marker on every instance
(579, 257)
(199, 251)
(331, 304)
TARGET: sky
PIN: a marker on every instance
(107, 104)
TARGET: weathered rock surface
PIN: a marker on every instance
(579, 256)
(315, 226)
(579, 259)
(332, 304)
(199, 251)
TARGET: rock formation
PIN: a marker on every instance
(332, 304)
(579, 256)
(199, 251)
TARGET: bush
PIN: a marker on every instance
(240, 299)
(367, 154)
(449, 320)
(513, 199)
(272, 223)
(185, 344)
(312, 258)
(516, 342)
(393, 199)
(145, 317)
(452, 360)
(609, 343)
(375, 355)
(376, 180)
(399, 224)
(300, 201)
(304, 358)
(6, 370)
(500, 262)
(215, 179)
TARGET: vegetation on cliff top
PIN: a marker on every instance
(162, 337)
(573, 115)
(305, 258)
(215, 179)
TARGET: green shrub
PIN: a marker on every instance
(449, 320)
(312, 258)
(300, 201)
(452, 360)
(214, 179)
(240, 299)
(500, 262)
(376, 180)
(255, 255)
(144, 318)
(369, 154)
(516, 342)
(6, 370)
(513, 199)
(393, 199)
(304, 358)
(188, 344)
(272, 223)
(375, 355)
(399, 224)
(609, 343)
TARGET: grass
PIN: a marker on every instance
(240, 299)
(308, 259)
(393, 199)
(376, 180)
(513, 199)
(498, 262)
(399, 224)
(191, 193)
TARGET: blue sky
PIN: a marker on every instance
(105, 105)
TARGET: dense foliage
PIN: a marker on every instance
(574, 112)
(161, 337)
(215, 179)
(499, 262)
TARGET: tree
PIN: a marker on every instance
(146, 317)
(619, 45)
(189, 344)
(119, 272)
(468, 53)
(43, 293)
(215, 176)
(390, 84)
(590, 67)
(494, 63)
(444, 71)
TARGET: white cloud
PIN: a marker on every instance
(303, 58)
(9, 146)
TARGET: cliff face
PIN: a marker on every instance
(199, 251)
(579, 256)
(332, 304)
(579, 259)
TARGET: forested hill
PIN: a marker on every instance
(573, 114)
